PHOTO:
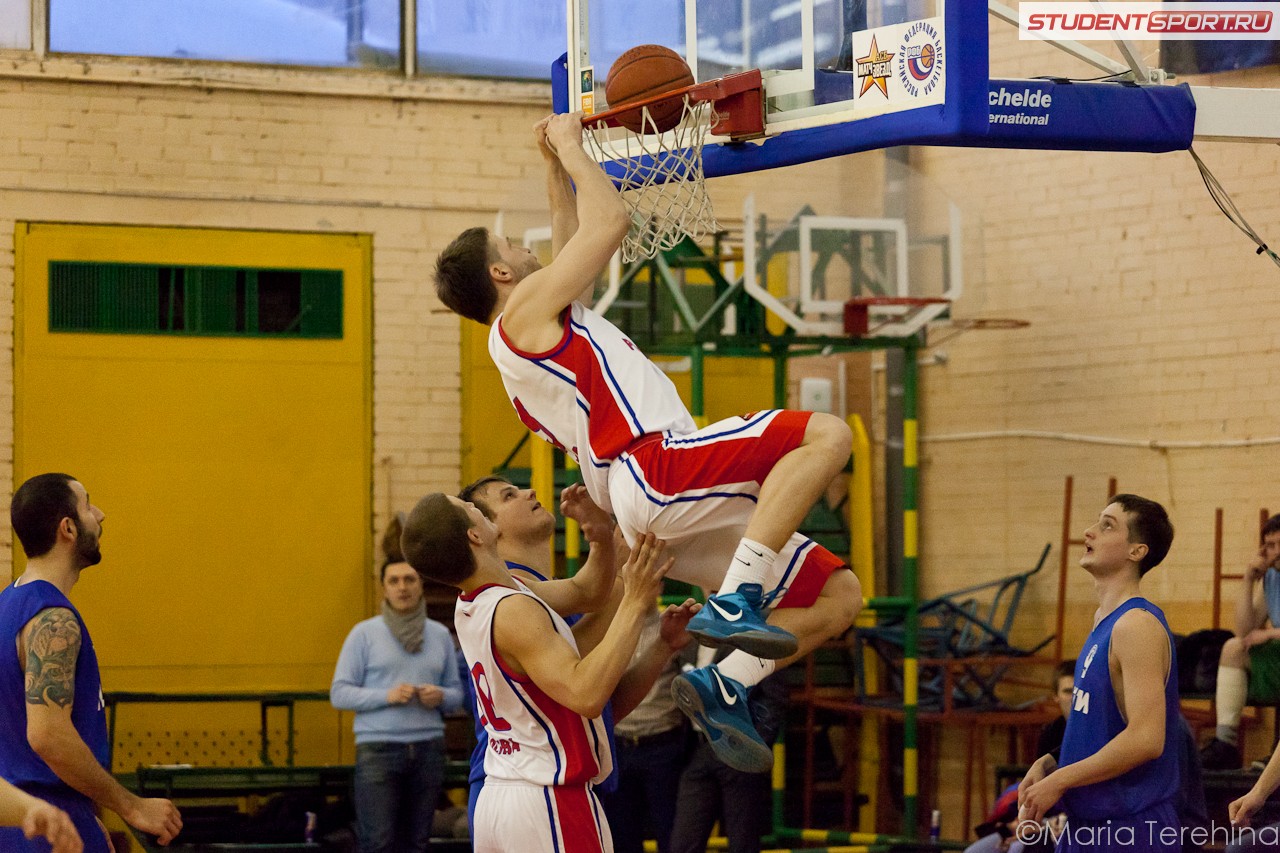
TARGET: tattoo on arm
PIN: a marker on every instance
(53, 644)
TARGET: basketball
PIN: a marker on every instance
(642, 72)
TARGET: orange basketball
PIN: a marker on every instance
(644, 71)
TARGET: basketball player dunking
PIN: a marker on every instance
(727, 499)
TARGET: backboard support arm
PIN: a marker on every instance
(1087, 54)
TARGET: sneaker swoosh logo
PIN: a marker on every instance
(725, 694)
(754, 551)
(724, 614)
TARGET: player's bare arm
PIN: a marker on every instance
(38, 819)
(1242, 810)
(590, 629)
(49, 647)
(564, 205)
(590, 597)
(590, 589)
(53, 646)
(1251, 606)
(653, 657)
(1036, 773)
(531, 318)
(1039, 769)
(524, 636)
(1139, 663)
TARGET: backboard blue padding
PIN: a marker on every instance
(1080, 117)
(560, 84)
(923, 126)
(943, 124)
(1088, 117)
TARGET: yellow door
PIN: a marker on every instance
(234, 471)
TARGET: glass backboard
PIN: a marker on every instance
(824, 61)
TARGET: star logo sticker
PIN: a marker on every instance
(874, 69)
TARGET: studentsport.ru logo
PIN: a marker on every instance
(1080, 21)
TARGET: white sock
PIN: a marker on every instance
(751, 562)
(1233, 690)
(746, 669)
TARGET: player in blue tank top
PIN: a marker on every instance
(53, 730)
(1120, 770)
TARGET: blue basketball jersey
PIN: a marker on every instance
(19, 763)
(1095, 720)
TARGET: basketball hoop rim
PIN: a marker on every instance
(738, 99)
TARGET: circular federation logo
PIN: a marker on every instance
(920, 60)
(920, 67)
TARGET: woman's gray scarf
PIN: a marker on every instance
(407, 628)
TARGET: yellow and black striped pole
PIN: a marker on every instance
(863, 560)
(910, 591)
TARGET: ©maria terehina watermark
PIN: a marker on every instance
(1144, 834)
(1084, 21)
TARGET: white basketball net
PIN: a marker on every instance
(661, 179)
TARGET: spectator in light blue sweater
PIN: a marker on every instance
(397, 671)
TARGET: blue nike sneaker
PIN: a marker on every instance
(718, 706)
(735, 619)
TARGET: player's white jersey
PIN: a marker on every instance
(532, 738)
(592, 395)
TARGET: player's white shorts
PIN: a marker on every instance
(518, 817)
(697, 492)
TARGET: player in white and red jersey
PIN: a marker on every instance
(727, 498)
(539, 701)
(525, 529)
(592, 395)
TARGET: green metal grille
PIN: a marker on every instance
(204, 301)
